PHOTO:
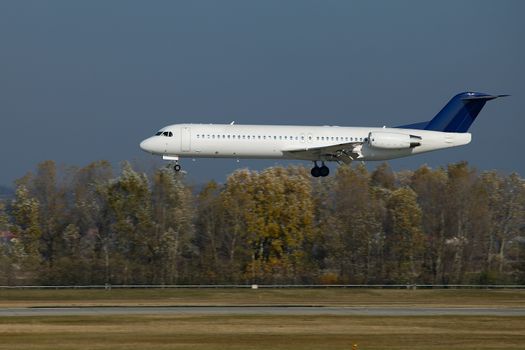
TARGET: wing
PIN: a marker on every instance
(343, 152)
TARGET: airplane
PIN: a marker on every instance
(320, 144)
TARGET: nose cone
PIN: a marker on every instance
(147, 145)
(154, 145)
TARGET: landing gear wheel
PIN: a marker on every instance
(316, 171)
(177, 167)
(324, 171)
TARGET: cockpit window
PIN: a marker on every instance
(164, 133)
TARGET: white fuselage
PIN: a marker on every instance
(279, 141)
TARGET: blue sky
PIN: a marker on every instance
(88, 80)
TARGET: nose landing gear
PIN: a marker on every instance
(174, 162)
(318, 171)
(176, 166)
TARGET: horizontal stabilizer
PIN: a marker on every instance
(486, 98)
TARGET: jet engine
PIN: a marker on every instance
(390, 140)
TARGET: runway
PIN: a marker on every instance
(263, 310)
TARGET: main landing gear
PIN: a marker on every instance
(320, 170)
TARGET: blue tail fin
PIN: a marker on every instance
(458, 114)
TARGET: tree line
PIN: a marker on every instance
(451, 225)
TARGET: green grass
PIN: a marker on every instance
(327, 297)
(261, 332)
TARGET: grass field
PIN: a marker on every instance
(261, 332)
(322, 297)
(258, 331)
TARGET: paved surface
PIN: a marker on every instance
(264, 310)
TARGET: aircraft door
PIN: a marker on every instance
(185, 139)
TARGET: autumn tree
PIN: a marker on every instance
(432, 197)
(7, 258)
(237, 203)
(89, 212)
(128, 202)
(403, 237)
(383, 176)
(27, 234)
(355, 228)
(506, 200)
(467, 223)
(170, 240)
(71, 225)
(208, 232)
(45, 188)
(279, 223)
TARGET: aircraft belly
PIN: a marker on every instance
(237, 149)
(379, 154)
